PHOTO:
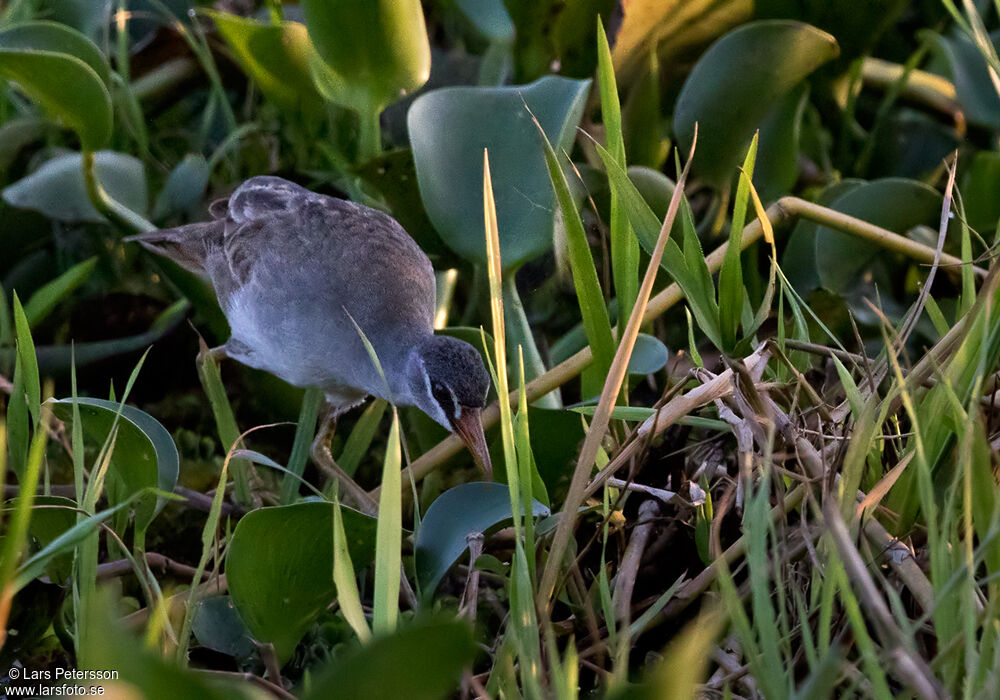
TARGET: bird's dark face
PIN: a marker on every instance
(449, 382)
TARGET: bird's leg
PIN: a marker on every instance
(323, 458)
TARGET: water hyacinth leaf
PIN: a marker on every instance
(649, 355)
(56, 37)
(17, 133)
(277, 57)
(373, 52)
(489, 17)
(64, 85)
(90, 17)
(799, 259)
(51, 516)
(144, 456)
(737, 81)
(778, 168)
(455, 514)
(846, 257)
(450, 127)
(280, 567)
(422, 661)
(219, 627)
(45, 299)
(967, 70)
(185, 187)
(979, 191)
(57, 189)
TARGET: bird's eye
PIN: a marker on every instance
(440, 393)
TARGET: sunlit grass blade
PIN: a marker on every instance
(731, 272)
(343, 577)
(624, 245)
(389, 537)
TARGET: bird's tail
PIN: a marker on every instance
(185, 245)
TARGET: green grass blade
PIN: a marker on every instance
(389, 537)
(29, 363)
(343, 578)
(361, 436)
(624, 246)
(596, 323)
(731, 273)
(305, 431)
(225, 422)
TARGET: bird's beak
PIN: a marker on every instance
(469, 427)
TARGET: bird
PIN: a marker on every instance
(303, 277)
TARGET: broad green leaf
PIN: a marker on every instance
(490, 18)
(144, 456)
(142, 671)
(91, 17)
(450, 127)
(845, 257)
(422, 661)
(69, 89)
(778, 166)
(57, 38)
(280, 567)
(45, 299)
(185, 187)
(799, 259)
(856, 26)
(979, 192)
(51, 516)
(374, 52)
(217, 626)
(453, 516)
(648, 356)
(57, 189)
(968, 71)
(736, 82)
(277, 57)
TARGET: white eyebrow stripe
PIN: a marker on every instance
(454, 401)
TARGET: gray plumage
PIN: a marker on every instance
(292, 268)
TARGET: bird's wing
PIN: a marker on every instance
(188, 246)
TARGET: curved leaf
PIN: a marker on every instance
(57, 38)
(276, 56)
(450, 127)
(280, 567)
(845, 257)
(63, 72)
(648, 356)
(184, 188)
(458, 512)
(973, 87)
(375, 52)
(419, 662)
(57, 189)
(736, 82)
(144, 456)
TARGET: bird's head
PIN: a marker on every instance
(449, 382)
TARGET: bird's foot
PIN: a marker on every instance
(323, 458)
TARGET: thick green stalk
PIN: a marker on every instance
(114, 211)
